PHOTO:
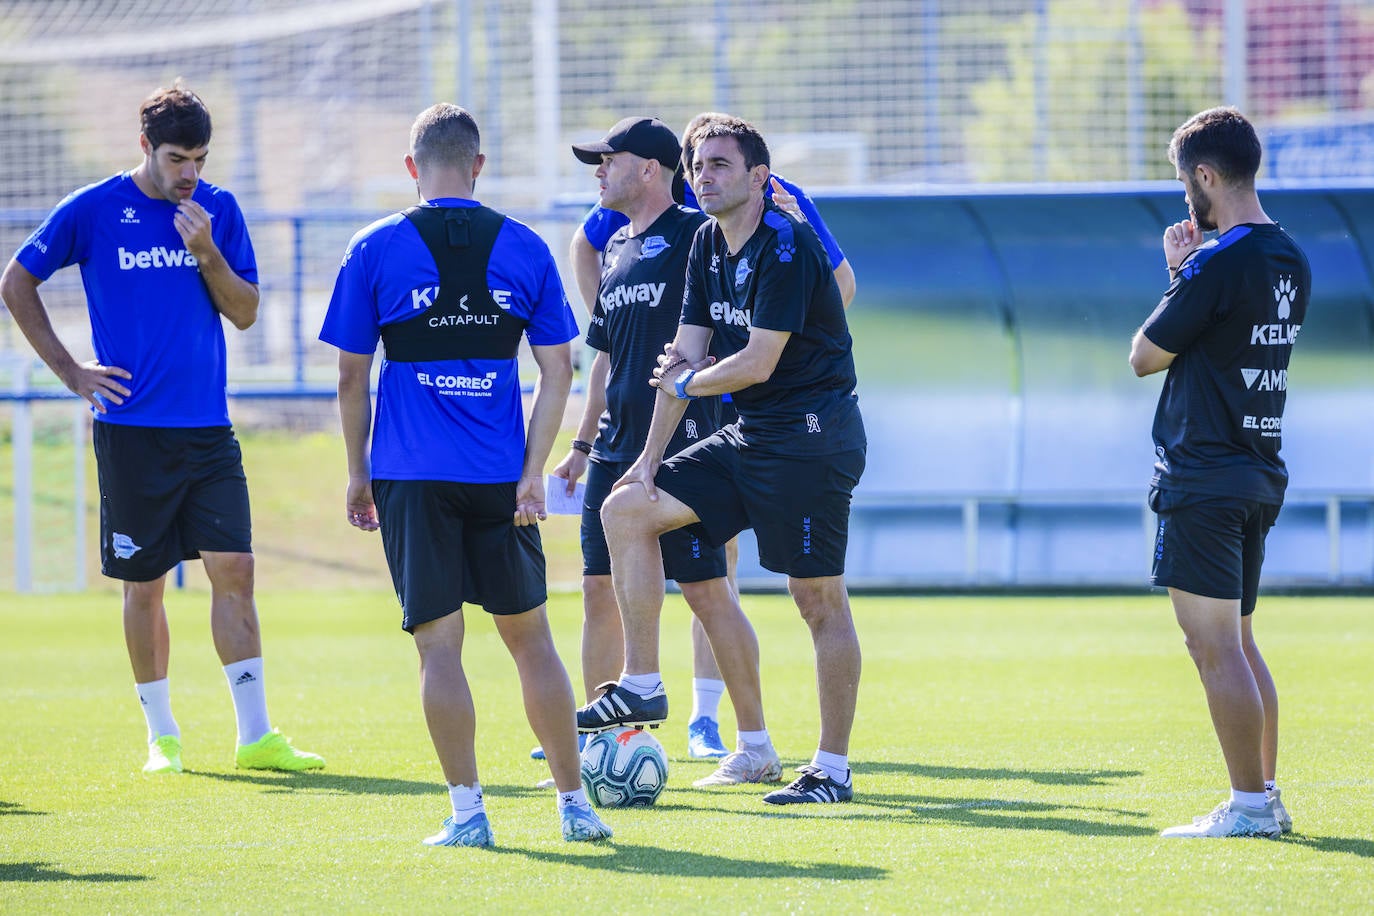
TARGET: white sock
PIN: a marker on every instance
(1269, 786)
(1249, 799)
(706, 694)
(467, 801)
(836, 766)
(753, 739)
(574, 799)
(156, 699)
(250, 699)
(642, 684)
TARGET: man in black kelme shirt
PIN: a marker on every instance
(1224, 331)
(759, 283)
(638, 304)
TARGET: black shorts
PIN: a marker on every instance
(798, 507)
(1211, 546)
(686, 558)
(449, 544)
(166, 494)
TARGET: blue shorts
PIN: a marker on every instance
(797, 506)
(1211, 546)
(449, 544)
(686, 558)
(166, 494)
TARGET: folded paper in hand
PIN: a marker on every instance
(556, 498)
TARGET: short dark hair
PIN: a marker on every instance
(175, 115)
(750, 141)
(1221, 138)
(445, 136)
(692, 127)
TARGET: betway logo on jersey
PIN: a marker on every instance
(155, 257)
(726, 313)
(1274, 335)
(651, 293)
(1269, 379)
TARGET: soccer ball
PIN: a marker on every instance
(623, 767)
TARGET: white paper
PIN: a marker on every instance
(556, 498)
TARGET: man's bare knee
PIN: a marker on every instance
(627, 511)
(230, 572)
(144, 596)
(710, 598)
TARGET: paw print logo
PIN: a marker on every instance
(1284, 294)
(785, 252)
(128, 212)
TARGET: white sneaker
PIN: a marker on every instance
(1280, 812)
(747, 763)
(1229, 819)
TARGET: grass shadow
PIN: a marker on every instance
(346, 784)
(18, 810)
(26, 872)
(1065, 777)
(631, 859)
(983, 813)
(1355, 846)
(326, 783)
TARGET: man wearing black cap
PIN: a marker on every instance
(638, 306)
(761, 291)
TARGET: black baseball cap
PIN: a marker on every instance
(648, 138)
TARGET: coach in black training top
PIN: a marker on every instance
(639, 302)
(1224, 331)
(760, 289)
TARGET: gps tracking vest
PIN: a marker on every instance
(465, 321)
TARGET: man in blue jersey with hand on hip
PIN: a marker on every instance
(163, 256)
(452, 480)
(1224, 332)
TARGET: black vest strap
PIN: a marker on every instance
(464, 321)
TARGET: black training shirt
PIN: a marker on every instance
(780, 280)
(638, 305)
(1232, 315)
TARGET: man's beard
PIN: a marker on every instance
(1201, 205)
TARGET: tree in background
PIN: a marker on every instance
(1060, 110)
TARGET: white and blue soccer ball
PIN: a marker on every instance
(624, 767)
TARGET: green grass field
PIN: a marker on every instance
(1010, 754)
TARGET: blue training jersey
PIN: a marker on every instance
(458, 420)
(600, 224)
(151, 313)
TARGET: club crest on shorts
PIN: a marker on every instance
(123, 545)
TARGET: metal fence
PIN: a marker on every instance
(313, 99)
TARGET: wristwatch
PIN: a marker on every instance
(680, 386)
